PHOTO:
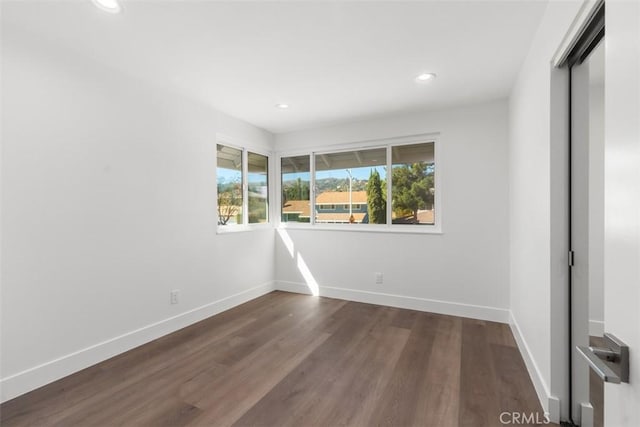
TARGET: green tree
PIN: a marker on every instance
(376, 203)
(295, 190)
(257, 209)
(412, 189)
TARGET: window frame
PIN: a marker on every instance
(245, 148)
(268, 211)
(386, 143)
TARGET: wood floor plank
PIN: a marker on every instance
(404, 318)
(479, 399)
(110, 382)
(515, 392)
(365, 384)
(398, 404)
(130, 366)
(290, 401)
(227, 398)
(438, 400)
(375, 351)
(148, 394)
(292, 360)
(255, 334)
(180, 414)
(167, 385)
(499, 333)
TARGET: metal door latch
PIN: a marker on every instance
(611, 363)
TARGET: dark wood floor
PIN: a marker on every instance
(288, 359)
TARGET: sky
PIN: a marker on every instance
(229, 175)
(358, 173)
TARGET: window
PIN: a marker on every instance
(351, 177)
(392, 185)
(413, 184)
(296, 185)
(258, 188)
(243, 186)
(230, 185)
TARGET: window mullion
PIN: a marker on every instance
(389, 185)
(245, 186)
(312, 189)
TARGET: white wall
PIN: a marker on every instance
(107, 198)
(622, 202)
(462, 271)
(537, 255)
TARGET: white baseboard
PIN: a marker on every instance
(586, 415)
(413, 303)
(553, 413)
(33, 378)
(550, 404)
(596, 328)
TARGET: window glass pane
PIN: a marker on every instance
(351, 187)
(229, 173)
(413, 186)
(296, 182)
(258, 186)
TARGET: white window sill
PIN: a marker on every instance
(230, 229)
(360, 228)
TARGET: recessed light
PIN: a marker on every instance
(111, 6)
(282, 106)
(425, 77)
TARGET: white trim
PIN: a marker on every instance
(588, 9)
(550, 404)
(312, 190)
(493, 314)
(586, 415)
(241, 228)
(228, 141)
(340, 148)
(245, 186)
(389, 182)
(368, 228)
(37, 376)
(596, 328)
(553, 412)
(368, 143)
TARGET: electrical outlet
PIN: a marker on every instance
(174, 296)
(379, 278)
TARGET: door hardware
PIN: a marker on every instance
(610, 363)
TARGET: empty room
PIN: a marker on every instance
(320, 213)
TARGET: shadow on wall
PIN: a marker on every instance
(309, 280)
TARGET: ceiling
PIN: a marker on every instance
(331, 62)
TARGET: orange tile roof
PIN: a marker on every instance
(303, 207)
(341, 197)
(424, 217)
